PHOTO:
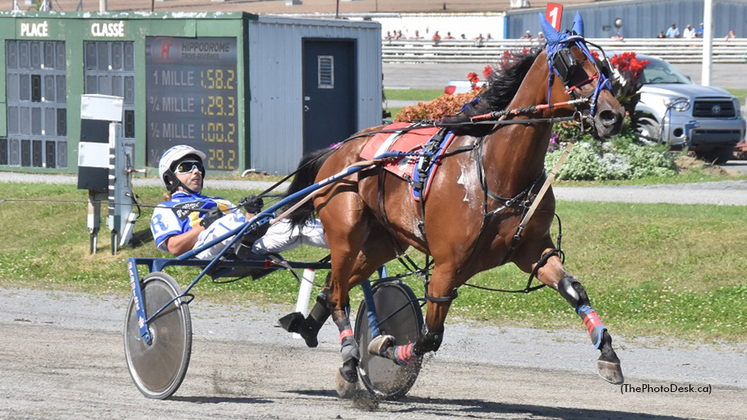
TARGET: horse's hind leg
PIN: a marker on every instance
(308, 327)
(553, 274)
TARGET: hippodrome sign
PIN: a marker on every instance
(191, 87)
(553, 14)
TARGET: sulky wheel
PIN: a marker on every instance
(400, 316)
(158, 367)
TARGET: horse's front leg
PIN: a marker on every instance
(440, 295)
(554, 274)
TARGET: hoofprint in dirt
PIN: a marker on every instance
(62, 357)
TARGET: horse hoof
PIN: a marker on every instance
(379, 345)
(610, 372)
(345, 389)
(291, 322)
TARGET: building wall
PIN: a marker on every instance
(276, 84)
(268, 95)
(471, 25)
(641, 19)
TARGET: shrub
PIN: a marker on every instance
(620, 158)
(436, 109)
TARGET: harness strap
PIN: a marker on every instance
(550, 178)
(507, 202)
(428, 159)
(541, 263)
(582, 83)
(454, 294)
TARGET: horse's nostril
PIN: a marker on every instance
(609, 117)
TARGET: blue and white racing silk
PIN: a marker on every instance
(178, 215)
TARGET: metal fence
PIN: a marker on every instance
(470, 51)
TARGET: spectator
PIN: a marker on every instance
(527, 35)
(689, 32)
(448, 36)
(730, 35)
(673, 31)
(700, 31)
(540, 36)
(399, 35)
(417, 35)
(661, 35)
(478, 41)
(462, 36)
(436, 37)
(617, 37)
(388, 36)
(488, 37)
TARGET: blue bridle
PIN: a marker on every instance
(566, 41)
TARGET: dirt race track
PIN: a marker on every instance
(61, 356)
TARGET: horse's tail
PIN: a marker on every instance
(308, 168)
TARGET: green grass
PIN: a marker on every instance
(663, 270)
(650, 270)
(739, 93)
(413, 94)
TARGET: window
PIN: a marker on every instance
(110, 70)
(326, 66)
(36, 105)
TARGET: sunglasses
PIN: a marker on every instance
(188, 166)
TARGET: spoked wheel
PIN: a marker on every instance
(400, 316)
(158, 367)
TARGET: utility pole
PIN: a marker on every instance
(705, 78)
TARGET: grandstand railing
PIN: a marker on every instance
(470, 51)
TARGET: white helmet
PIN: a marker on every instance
(173, 155)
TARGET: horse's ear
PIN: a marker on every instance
(578, 24)
(552, 35)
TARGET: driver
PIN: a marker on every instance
(177, 227)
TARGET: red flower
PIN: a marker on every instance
(487, 71)
(628, 65)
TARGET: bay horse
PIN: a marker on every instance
(469, 222)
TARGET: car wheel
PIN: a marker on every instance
(649, 130)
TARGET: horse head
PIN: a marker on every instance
(582, 76)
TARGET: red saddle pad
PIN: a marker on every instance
(399, 141)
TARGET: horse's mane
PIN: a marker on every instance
(501, 88)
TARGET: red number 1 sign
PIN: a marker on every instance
(553, 14)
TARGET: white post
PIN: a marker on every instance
(304, 293)
(705, 79)
(102, 6)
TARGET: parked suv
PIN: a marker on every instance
(674, 110)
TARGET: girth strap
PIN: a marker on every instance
(428, 159)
